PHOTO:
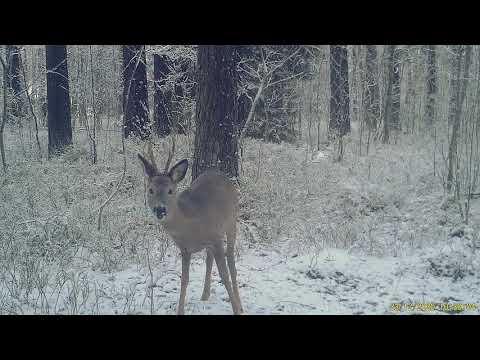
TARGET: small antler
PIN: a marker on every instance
(171, 152)
(151, 157)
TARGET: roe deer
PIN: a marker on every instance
(196, 219)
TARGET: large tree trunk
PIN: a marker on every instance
(135, 93)
(457, 95)
(216, 111)
(339, 98)
(162, 99)
(431, 85)
(371, 99)
(58, 98)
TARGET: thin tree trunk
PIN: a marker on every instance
(299, 122)
(354, 88)
(31, 110)
(252, 111)
(310, 115)
(395, 96)
(410, 95)
(83, 91)
(459, 89)
(93, 133)
(14, 80)
(371, 100)
(389, 102)
(318, 115)
(431, 85)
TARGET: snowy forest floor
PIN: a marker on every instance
(369, 235)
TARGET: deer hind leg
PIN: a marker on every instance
(231, 237)
(219, 255)
(208, 276)
(186, 256)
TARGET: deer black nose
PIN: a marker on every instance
(160, 211)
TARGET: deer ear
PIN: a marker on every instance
(149, 168)
(178, 172)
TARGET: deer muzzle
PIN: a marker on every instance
(160, 212)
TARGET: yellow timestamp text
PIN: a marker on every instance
(450, 307)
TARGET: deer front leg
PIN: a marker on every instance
(186, 256)
(223, 271)
(208, 276)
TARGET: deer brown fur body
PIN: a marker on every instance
(197, 218)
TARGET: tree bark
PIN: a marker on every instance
(410, 96)
(395, 96)
(339, 98)
(354, 90)
(216, 111)
(82, 93)
(392, 97)
(58, 98)
(162, 99)
(458, 90)
(15, 80)
(4, 112)
(371, 100)
(135, 93)
(431, 85)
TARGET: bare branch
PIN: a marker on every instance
(286, 79)
(284, 61)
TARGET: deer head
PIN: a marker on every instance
(162, 186)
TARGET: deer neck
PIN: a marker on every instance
(176, 220)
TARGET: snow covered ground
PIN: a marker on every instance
(365, 236)
(272, 282)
